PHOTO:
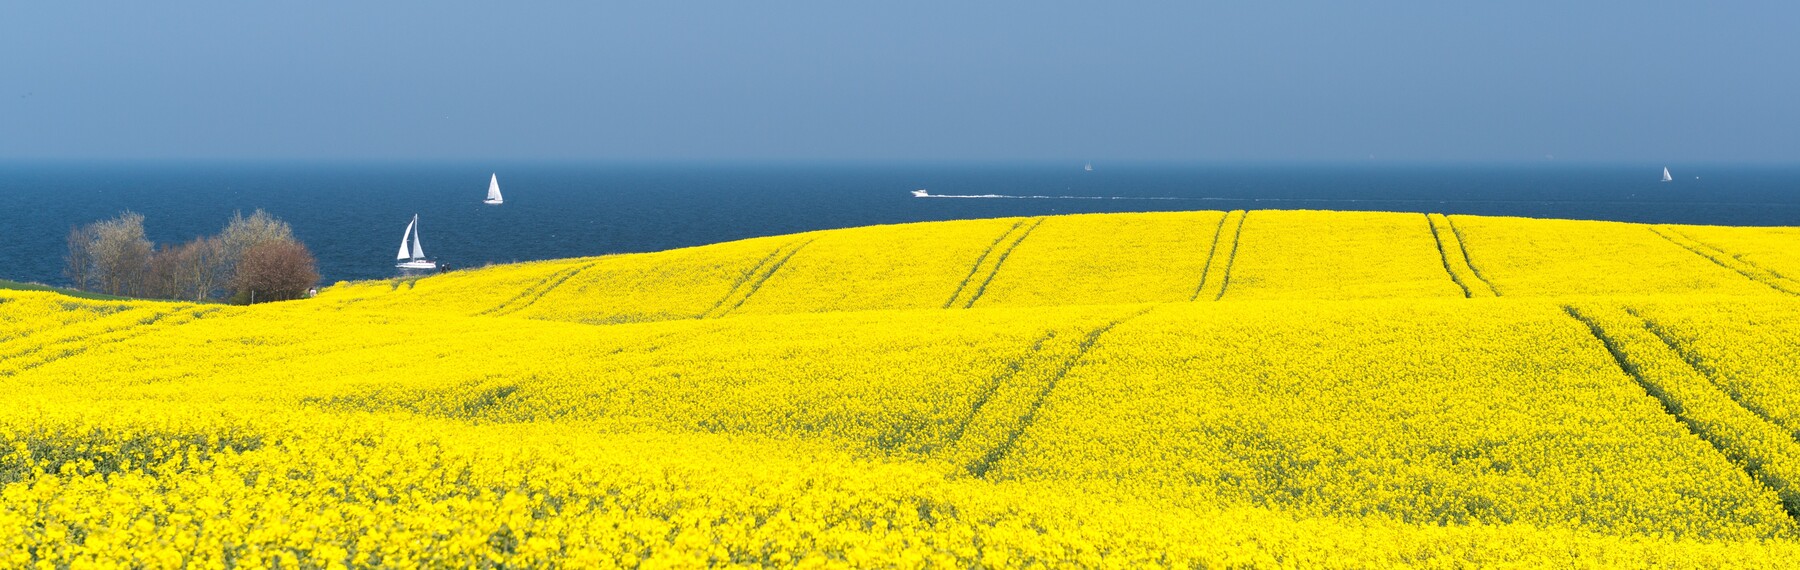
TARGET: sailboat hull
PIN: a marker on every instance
(493, 197)
(417, 264)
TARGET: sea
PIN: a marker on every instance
(352, 214)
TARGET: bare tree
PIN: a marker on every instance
(241, 235)
(113, 256)
(78, 266)
(276, 271)
(201, 264)
(164, 279)
(189, 271)
(117, 254)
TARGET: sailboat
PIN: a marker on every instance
(1666, 176)
(1088, 167)
(493, 198)
(412, 254)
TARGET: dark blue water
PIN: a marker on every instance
(352, 215)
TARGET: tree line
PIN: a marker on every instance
(254, 259)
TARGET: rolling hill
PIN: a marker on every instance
(1270, 388)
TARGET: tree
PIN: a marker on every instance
(201, 264)
(189, 271)
(275, 271)
(78, 266)
(243, 234)
(164, 280)
(114, 257)
(110, 256)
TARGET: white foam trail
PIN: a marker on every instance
(924, 194)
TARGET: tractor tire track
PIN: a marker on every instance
(72, 346)
(1211, 252)
(1462, 244)
(1235, 218)
(1461, 270)
(1764, 451)
(756, 284)
(979, 291)
(980, 467)
(1719, 257)
(531, 296)
(973, 268)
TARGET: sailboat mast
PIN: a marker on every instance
(418, 250)
(493, 195)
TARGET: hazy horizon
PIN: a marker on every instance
(813, 82)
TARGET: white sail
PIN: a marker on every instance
(418, 251)
(405, 251)
(1088, 167)
(412, 251)
(493, 196)
(1666, 176)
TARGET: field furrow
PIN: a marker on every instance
(1456, 258)
(1700, 365)
(71, 345)
(33, 313)
(1220, 257)
(1432, 412)
(1746, 268)
(1320, 255)
(1533, 257)
(981, 466)
(957, 298)
(1103, 259)
(1748, 347)
(537, 291)
(905, 266)
(744, 280)
(987, 393)
(1462, 245)
(48, 333)
(1773, 249)
(1761, 448)
(1006, 409)
(1212, 250)
(992, 269)
(749, 288)
(669, 285)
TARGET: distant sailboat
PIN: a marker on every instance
(412, 254)
(493, 198)
(1088, 167)
(1666, 176)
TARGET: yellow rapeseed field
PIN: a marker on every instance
(1525, 257)
(1329, 255)
(1162, 258)
(1195, 389)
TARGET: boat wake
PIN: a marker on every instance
(925, 194)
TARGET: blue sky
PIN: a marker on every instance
(1290, 81)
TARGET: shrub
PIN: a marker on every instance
(275, 271)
